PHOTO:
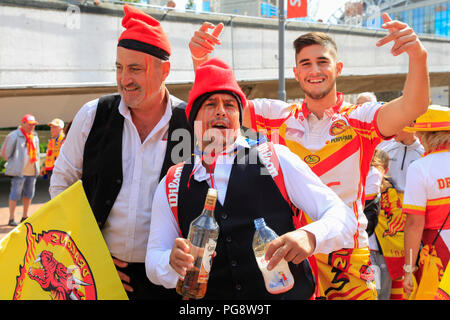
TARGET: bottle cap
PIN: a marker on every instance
(259, 223)
(212, 192)
(211, 198)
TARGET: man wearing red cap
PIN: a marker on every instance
(334, 137)
(21, 151)
(121, 145)
(233, 165)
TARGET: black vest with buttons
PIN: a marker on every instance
(102, 160)
(250, 195)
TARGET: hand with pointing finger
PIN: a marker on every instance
(203, 42)
(403, 36)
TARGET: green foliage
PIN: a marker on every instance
(43, 147)
(190, 5)
(2, 165)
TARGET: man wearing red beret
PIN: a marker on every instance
(234, 166)
(121, 145)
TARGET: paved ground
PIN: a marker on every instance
(41, 197)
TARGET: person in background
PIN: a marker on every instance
(55, 143)
(386, 240)
(426, 201)
(402, 150)
(21, 151)
(366, 97)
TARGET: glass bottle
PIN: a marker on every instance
(203, 234)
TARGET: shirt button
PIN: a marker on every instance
(228, 239)
(224, 216)
(238, 287)
(234, 263)
(108, 202)
(118, 181)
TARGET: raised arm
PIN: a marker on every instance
(398, 113)
(203, 42)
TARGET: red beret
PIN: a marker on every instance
(144, 33)
(213, 75)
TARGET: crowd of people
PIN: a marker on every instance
(21, 150)
(348, 187)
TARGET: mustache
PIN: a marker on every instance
(219, 121)
(129, 86)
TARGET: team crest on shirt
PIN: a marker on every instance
(338, 127)
(311, 159)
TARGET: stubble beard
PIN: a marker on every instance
(318, 95)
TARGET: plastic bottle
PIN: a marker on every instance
(279, 279)
(203, 234)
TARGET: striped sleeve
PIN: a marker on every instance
(363, 118)
(268, 114)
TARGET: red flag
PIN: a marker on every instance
(297, 8)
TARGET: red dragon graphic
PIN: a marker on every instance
(56, 278)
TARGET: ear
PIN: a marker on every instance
(294, 69)
(165, 69)
(339, 67)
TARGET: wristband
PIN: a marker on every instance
(409, 268)
(195, 58)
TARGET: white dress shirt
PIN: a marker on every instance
(334, 223)
(127, 226)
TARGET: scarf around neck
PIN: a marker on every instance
(31, 148)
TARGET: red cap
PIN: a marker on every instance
(29, 118)
(143, 33)
(213, 75)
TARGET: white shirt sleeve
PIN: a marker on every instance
(163, 231)
(69, 164)
(415, 196)
(373, 181)
(334, 222)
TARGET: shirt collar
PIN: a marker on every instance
(125, 112)
(224, 158)
(329, 111)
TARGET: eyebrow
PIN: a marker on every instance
(318, 58)
(130, 65)
(226, 100)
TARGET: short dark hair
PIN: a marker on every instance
(312, 38)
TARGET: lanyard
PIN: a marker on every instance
(212, 158)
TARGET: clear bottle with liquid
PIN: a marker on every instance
(203, 234)
(279, 279)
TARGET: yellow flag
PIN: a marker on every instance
(432, 272)
(443, 292)
(59, 254)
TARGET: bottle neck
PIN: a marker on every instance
(210, 204)
(260, 223)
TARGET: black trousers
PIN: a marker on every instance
(143, 288)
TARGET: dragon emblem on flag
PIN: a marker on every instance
(54, 263)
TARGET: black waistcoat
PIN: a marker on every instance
(250, 195)
(102, 160)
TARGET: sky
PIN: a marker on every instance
(322, 11)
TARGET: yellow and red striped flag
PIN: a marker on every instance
(59, 254)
